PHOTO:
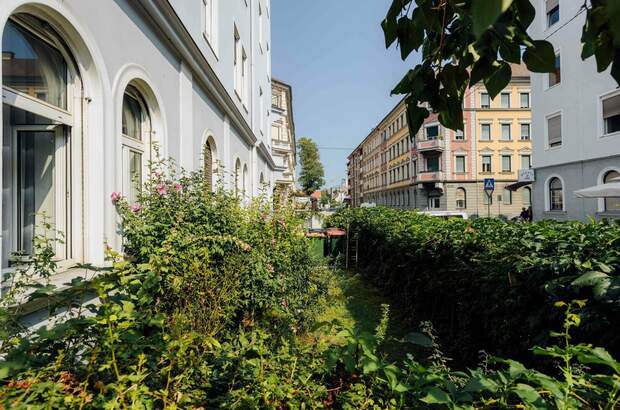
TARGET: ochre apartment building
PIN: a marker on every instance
(444, 170)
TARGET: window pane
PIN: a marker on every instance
(460, 164)
(506, 163)
(432, 132)
(507, 197)
(432, 164)
(486, 132)
(505, 100)
(484, 100)
(506, 132)
(526, 162)
(135, 175)
(132, 117)
(554, 130)
(526, 196)
(32, 66)
(525, 100)
(556, 76)
(525, 131)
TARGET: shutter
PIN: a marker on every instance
(554, 130)
(611, 106)
(551, 4)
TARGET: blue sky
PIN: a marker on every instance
(332, 52)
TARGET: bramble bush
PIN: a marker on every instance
(490, 285)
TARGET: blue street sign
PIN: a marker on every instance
(489, 184)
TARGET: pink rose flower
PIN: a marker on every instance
(157, 173)
(178, 187)
(161, 189)
(135, 207)
(115, 197)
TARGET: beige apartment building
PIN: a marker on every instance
(444, 170)
(283, 141)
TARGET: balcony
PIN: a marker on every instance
(436, 145)
(424, 177)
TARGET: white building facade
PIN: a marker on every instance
(575, 120)
(90, 87)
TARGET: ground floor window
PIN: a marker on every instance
(35, 183)
(461, 198)
(434, 202)
(611, 204)
(556, 195)
(527, 196)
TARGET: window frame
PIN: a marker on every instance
(552, 115)
(549, 193)
(509, 157)
(602, 123)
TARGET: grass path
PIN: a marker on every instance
(357, 305)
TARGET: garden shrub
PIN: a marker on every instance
(488, 284)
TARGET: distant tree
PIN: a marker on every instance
(325, 198)
(464, 42)
(311, 176)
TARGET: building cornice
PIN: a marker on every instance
(266, 155)
(163, 16)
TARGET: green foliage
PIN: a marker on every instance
(464, 42)
(487, 284)
(312, 174)
(213, 306)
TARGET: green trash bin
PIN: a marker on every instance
(317, 243)
(336, 242)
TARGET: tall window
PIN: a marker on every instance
(553, 12)
(611, 114)
(506, 163)
(461, 198)
(434, 202)
(246, 181)
(485, 132)
(526, 196)
(507, 197)
(238, 180)
(38, 88)
(238, 64)
(260, 26)
(486, 163)
(136, 133)
(459, 164)
(554, 131)
(526, 161)
(612, 204)
(210, 21)
(505, 100)
(556, 196)
(485, 101)
(525, 100)
(209, 166)
(556, 76)
(459, 135)
(525, 132)
(506, 132)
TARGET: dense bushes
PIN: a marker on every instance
(206, 308)
(490, 285)
(198, 270)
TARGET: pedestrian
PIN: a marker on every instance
(524, 215)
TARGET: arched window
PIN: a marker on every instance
(556, 195)
(39, 86)
(461, 198)
(238, 181)
(261, 181)
(209, 163)
(526, 196)
(611, 204)
(136, 140)
(246, 181)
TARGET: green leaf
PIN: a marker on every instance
(435, 395)
(481, 383)
(498, 79)
(613, 12)
(410, 34)
(485, 13)
(615, 67)
(540, 57)
(526, 11)
(526, 393)
(510, 51)
(590, 279)
(599, 355)
(419, 339)
(415, 117)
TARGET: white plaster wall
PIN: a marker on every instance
(577, 96)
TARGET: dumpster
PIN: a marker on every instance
(336, 239)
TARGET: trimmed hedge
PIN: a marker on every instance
(487, 284)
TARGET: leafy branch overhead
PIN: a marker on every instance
(463, 42)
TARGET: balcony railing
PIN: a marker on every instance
(431, 145)
(429, 176)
